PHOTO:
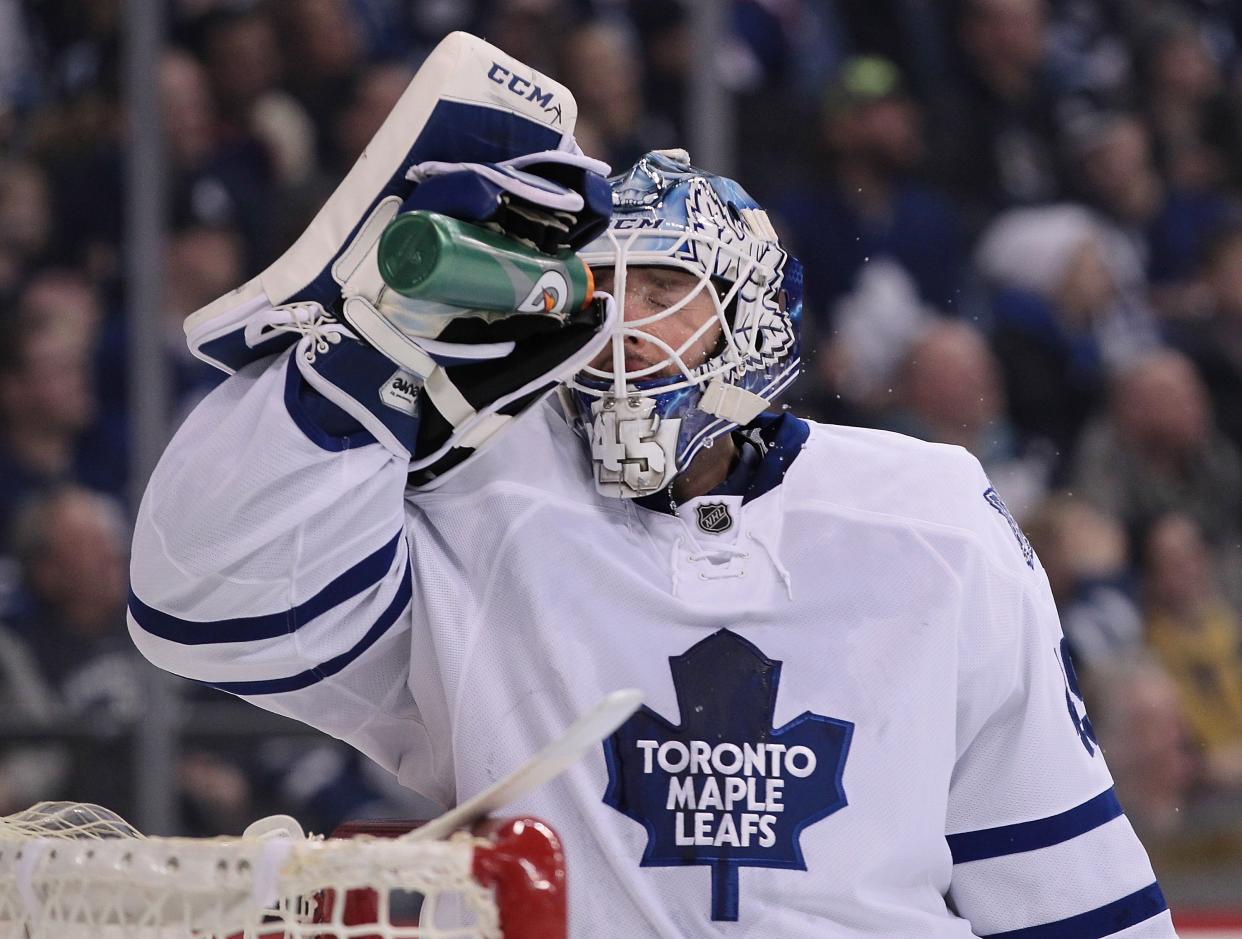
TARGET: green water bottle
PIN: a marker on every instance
(426, 256)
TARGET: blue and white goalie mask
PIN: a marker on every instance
(706, 342)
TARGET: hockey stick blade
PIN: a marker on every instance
(548, 763)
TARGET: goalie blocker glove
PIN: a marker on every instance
(439, 409)
(462, 374)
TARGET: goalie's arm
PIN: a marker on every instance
(271, 561)
(1039, 842)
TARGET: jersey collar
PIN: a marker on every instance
(778, 438)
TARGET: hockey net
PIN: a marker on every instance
(72, 870)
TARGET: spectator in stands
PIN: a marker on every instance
(1088, 46)
(950, 391)
(324, 41)
(212, 180)
(324, 783)
(1086, 557)
(664, 33)
(238, 48)
(16, 59)
(866, 204)
(244, 65)
(65, 300)
(1065, 308)
(1157, 450)
(28, 774)
(62, 298)
(1181, 86)
(1197, 634)
(1212, 336)
(856, 357)
(1194, 836)
(217, 795)
(76, 44)
(1138, 717)
(66, 646)
(915, 36)
(1114, 169)
(366, 98)
(204, 263)
(47, 406)
(601, 62)
(25, 219)
(996, 139)
(71, 547)
(219, 179)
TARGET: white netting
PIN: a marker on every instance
(69, 871)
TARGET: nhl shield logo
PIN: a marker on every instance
(714, 517)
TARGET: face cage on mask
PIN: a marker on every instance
(643, 431)
(620, 382)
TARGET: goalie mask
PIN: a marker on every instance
(646, 415)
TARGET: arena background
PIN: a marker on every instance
(1020, 222)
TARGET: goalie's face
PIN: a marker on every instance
(708, 334)
(672, 322)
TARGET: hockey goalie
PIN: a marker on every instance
(499, 438)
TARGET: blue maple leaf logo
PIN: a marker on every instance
(724, 788)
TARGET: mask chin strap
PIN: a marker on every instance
(633, 448)
(734, 404)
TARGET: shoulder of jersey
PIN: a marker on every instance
(890, 475)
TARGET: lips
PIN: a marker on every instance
(637, 355)
(634, 362)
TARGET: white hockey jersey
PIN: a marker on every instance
(859, 718)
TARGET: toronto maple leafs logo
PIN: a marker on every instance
(724, 788)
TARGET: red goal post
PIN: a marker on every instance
(521, 861)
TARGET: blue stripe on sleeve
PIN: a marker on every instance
(1107, 920)
(312, 675)
(1040, 833)
(362, 576)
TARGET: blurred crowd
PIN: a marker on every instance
(1021, 222)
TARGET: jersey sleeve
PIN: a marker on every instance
(271, 561)
(1041, 848)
